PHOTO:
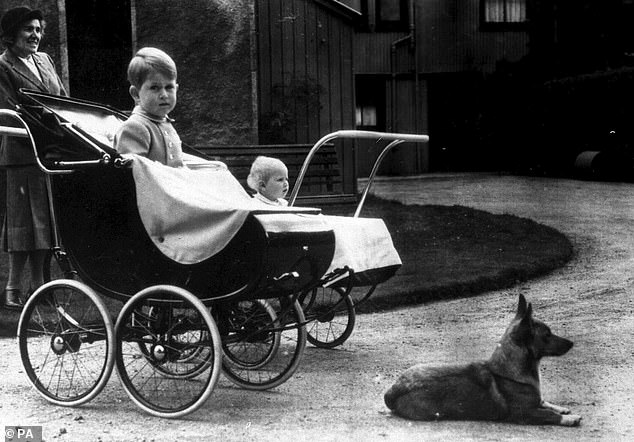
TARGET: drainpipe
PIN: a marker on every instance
(412, 42)
(393, 48)
(410, 37)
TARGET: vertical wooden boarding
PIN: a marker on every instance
(300, 74)
(263, 26)
(288, 108)
(334, 62)
(348, 172)
(323, 69)
(325, 74)
(312, 70)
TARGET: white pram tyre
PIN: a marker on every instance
(264, 349)
(168, 351)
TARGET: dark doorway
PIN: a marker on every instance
(99, 49)
(453, 123)
(370, 115)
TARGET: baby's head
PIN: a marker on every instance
(268, 177)
(152, 77)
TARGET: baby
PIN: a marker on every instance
(149, 131)
(269, 178)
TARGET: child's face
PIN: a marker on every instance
(276, 186)
(157, 95)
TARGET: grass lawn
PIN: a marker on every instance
(447, 251)
(454, 251)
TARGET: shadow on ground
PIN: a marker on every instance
(447, 252)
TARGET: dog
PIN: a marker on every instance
(504, 388)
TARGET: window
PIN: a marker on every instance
(370, 102)
(507, 14)
(385, 15)
(366, 116)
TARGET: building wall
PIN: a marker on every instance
(210, 41)
(448, 41)
(305, 73)
(449, 38)
(305, 70)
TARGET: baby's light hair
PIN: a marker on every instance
(148, 60)
(262, 169)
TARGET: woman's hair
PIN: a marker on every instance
(148, 60)
(262, 169)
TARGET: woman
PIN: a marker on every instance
(26, 230)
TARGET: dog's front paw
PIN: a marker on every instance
(556, 408)
(570, 420)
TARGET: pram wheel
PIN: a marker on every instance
(263, 342)
(66, 341)
(168, 351)
(249, 344)
(332, 313)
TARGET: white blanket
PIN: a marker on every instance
(361, 244)
(192, 213)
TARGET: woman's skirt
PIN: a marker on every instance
(27, 224)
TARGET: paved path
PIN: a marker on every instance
(337, 395)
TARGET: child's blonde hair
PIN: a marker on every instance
(262, 169)
(148, 60)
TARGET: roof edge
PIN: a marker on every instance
(340, 9)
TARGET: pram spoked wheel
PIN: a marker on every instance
(66, 342)
(263, 342)
(332, 313)
(250, 341)
(168, 351)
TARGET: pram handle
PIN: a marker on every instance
(13, 132)
(396, 139)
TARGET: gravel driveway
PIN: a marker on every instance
(338, 394)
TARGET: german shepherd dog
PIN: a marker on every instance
(504, 388)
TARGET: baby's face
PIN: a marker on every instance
(276, 186)
(157, 94)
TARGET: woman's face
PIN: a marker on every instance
(27, 38)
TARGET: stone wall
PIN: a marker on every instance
(210, 40)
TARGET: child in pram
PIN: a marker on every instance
(149, 131)
(269, 179)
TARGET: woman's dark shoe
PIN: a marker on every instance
(12, 299)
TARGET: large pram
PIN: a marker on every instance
(237, 301)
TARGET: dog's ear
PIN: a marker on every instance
(521, 307)
(523, 331)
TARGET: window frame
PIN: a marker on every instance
(373, 23)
